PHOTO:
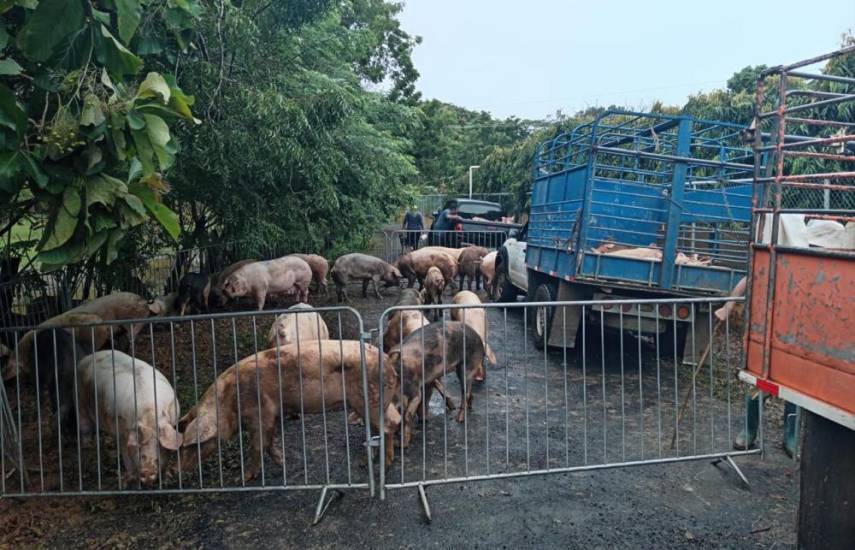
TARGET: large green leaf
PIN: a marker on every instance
(161, 141)
(129, 12)
(154, 85)
(166, 217)
(113, 241)
(144, 151)
(65, 221)
(55, 258)
(10, 168)
(114, 55)
(9, 67)
(49, 26)
(12, 115)
(36, 172)
(100, 190)
(92, 114)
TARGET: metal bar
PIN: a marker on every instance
(807, 143)
(571, 469)
(675, 158)
(827, 77)
(805, 106)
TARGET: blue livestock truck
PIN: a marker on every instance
(634, 205)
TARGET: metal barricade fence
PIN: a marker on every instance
(223, 402)
(618, 398)
(400, 241)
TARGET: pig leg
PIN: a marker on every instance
(409, 417)
(260, 298)
(465, 396)
(129, 463)
(440, 387)
(365, 287)
(259, 440)
(411, 280)
(375, 279)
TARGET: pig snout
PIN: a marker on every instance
(148, 476)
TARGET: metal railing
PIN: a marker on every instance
(264, 408)
(400, 241)
(552, 410)
(191, 404)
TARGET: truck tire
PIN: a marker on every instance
(542, 321)
(505, 289)
(666, 342)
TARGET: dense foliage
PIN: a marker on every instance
(130, 127)
(292, 149)
(85, 129)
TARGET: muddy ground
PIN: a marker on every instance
(535, 411)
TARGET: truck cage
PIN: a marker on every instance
(802, 286)
(677, 186)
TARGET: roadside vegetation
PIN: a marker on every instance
(130, 128)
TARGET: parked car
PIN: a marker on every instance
(482, 225)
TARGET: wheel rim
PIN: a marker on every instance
(540, 321)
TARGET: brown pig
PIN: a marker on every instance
(119, 305)
(320, 266)
(488, 272)
(218, 297)
(433, 286)
(414, 265)
(453, 252)
(434, 350)
(280, 276)
(364, 267)
(403, 322)
(469, 264)
(477, 319)
(288, 328)
(338, 363)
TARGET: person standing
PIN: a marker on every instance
(445, 224)
(414, 225)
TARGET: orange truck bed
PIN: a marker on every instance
(801, 346)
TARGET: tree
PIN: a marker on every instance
(85, 130)
(293, 152)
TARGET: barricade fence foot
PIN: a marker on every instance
(729, 461)
(324, 503)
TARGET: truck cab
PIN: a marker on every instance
(637, 205)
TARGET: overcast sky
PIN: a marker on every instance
(532, 58)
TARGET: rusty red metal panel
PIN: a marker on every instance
(813, 316)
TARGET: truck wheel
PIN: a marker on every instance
(666, 342)
(505, 290)
(542, 322)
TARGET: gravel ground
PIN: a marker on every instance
(535, 411)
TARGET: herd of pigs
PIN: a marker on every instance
(89, 383)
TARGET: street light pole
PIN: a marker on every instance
(471, 169)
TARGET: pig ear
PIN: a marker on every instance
(394, 357)
(145, 432)
(393, 416)
(168, 437)
(199, 430)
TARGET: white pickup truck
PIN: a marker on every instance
(511, 274)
